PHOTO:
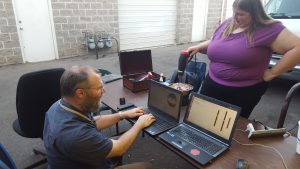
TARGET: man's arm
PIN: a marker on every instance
(121, 145)
(105, 121)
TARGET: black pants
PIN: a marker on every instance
(244, 97)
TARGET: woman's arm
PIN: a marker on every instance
(287, 44)
(201, 47)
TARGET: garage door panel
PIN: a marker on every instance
(146, 2)
(148, 30)
(169, 33)
(149, 15)
(145, 38)
(152, 8)
(152, 24)
(147, 44)
(128, 19)
(146, 23)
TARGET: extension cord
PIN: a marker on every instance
(263, 133)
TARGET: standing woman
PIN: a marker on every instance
(239, 52)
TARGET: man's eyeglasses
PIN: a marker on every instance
(101, 88)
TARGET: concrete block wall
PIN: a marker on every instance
(184, 21)
(10, 51)
(72, 17)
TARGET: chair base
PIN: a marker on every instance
(38, 152)
(117, 161)
(40, 162)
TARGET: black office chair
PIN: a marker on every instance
(36, 92)
(6, 162)
(286, 104)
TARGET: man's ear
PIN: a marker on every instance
(80, 93)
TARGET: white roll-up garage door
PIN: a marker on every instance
(146, 23)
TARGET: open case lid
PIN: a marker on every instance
(135, 62)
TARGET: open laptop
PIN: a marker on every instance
(207, 129)
(164, 103)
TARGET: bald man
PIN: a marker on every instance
(72, 136)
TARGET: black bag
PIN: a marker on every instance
(194, 73)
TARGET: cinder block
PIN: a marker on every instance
(14, 59)
(65, 12)
(2, 60)
(6, 52)
(72, 6)
(4, 37)
(11, 44)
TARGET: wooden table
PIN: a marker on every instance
(263, 156)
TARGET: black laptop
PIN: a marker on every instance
(164, 103)
(207, 129)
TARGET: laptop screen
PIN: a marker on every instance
(165, 99)
(213, 115)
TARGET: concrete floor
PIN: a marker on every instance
(146, 149)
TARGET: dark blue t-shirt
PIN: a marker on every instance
(73, 142)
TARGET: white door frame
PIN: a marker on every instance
(199, 20)
(52, 28)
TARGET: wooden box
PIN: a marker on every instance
(133, 66)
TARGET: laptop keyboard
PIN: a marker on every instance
(195, 139)
(159, 122)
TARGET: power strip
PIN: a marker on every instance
(264, 133)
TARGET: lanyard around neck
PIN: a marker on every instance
(76, 113)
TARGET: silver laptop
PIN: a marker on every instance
(207, 129)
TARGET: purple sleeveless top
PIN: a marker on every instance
(233, 62)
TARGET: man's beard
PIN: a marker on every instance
(89, 106)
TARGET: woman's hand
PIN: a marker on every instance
(194, 49)
(202, 48)
(268, 75)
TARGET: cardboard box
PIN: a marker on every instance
(133, 66)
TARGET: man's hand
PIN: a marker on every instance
(121, 145)
(133, 113)
(145, 120)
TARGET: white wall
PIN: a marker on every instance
(199, 20)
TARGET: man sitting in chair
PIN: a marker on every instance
(71, 135)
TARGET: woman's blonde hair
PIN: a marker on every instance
(258, 17)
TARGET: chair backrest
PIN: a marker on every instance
(104, 72)
(286, 104)
(6, 162)
(36, 92)
(194, 74)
